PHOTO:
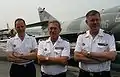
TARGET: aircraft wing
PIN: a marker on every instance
(44, 23)
(4, 30)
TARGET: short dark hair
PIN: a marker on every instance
(20, 19)
(92, 12)
(55, 21)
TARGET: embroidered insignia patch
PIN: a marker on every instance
(45, 49)
(83, 44)
(14, 45)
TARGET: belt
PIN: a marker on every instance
(24, 64)
(94, 73)
(44, 74)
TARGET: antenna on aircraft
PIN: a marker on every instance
(102, 11)
(8, 26)
(43, 9)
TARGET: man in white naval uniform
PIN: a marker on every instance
(95, 49)
(53, 53)
(21, 51)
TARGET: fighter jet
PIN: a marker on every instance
(71, 29)
(110, 22)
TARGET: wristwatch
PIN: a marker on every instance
(46, 58)
(88, 54)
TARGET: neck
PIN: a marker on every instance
(94, 33)
(21, 36)
(54, 39)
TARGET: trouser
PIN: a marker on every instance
(83, 73)
(58, 75)
(27, 70)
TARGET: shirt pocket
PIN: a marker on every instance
(102, 46)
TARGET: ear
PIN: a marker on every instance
(60, 29)
(86, 21)
(100, 19)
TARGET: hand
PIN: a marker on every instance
(17, 54)
(106, 50)
(84, 52)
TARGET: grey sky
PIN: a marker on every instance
(63, 10)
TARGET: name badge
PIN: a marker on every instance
(102, 44)
(61, 48)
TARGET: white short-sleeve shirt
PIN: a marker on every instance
(100, 43)
(15, 44)
(60, 48)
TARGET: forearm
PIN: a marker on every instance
(12, 58)
(59, 60)
(87, 60)
(16, 60)
(103, 56)
(80, 57)
(41, 59)
(52, 60)
(29, 56)
(100, 59)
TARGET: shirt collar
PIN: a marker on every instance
(100, 34)
(59, 39)
(26, 36)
